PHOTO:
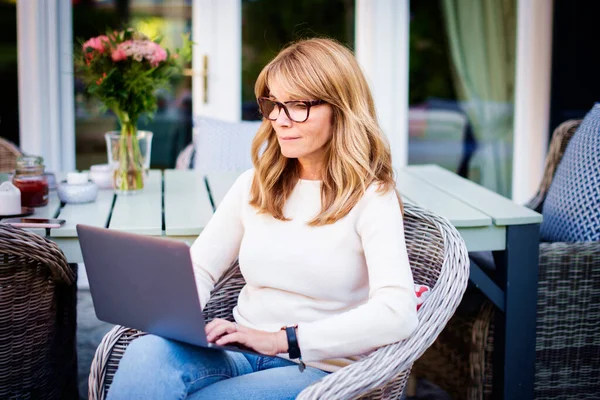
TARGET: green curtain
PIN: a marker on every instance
(482, 38)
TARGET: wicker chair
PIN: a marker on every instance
(438, 258)
(8, 155)
(567, 346)
(38, 357)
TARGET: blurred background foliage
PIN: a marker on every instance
(430, 72)
(268, 25)
(9, 100)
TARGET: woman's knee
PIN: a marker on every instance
(149, 349)
(150, 368)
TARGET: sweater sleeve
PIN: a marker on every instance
(390, 313)
(219, 243)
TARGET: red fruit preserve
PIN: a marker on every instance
(30, 179)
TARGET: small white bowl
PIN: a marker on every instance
(102, 175)
(77, 194)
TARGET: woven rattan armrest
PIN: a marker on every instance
(106, 359)
(560, 140)
(39, 249)
(377, 375)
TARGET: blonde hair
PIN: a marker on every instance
(357, 154)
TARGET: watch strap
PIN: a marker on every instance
(292, 339)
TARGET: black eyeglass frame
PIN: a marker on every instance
(307, 103)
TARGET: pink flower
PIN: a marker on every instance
(118, 54)
(140, 50)
(97, 43)
(158, 55)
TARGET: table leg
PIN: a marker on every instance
(514, 342)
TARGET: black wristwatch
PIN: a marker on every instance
(293, 348)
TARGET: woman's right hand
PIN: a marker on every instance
(223, 332)
(218, 328)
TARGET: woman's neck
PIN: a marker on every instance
(311, 172)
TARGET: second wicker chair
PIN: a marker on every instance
(438, 258)
(38, 359)
(567, 325)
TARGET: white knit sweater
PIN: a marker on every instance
(347, 285)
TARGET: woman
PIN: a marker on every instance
(318, 229)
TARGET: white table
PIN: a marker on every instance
(178, 204)
(173, 204)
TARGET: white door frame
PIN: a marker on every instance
(45, 74)
(532, 96)
(217, 59)
(382, 37)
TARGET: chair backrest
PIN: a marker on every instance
(223, 146)
(185, 158)
(34, 344)
(436, 136)
(425, 246)
(8, 155)
(560, 139)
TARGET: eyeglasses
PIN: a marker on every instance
(297, 110)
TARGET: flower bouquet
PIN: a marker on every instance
(124, 70)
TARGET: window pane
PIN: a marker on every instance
(268, 25)
(171, 125)
(462, 88)
(9, 101)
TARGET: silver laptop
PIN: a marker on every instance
(144, 282)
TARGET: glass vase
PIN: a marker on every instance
(129, 157)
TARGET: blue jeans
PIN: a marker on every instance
(157, 368)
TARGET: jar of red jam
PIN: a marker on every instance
(30, 179)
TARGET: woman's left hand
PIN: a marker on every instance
(223, 332)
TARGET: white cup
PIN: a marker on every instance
(10, 199)
(77, 178)
(102, 176)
